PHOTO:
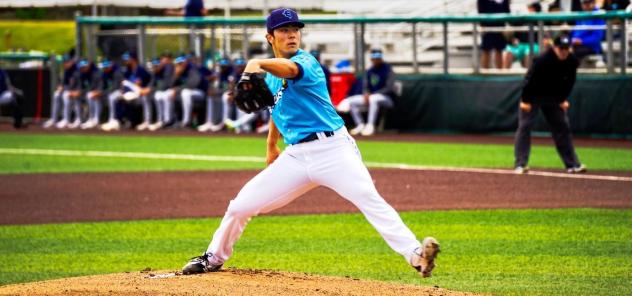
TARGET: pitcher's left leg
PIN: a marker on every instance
(342, 170)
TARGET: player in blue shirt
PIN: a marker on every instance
(320, 153)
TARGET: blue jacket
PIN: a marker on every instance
(4, 86)
(590, 38)
(379, 80)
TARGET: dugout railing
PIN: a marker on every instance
(215, 29)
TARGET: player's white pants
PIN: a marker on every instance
(164, 105)
(71, 103)
(112, 98)
(226, 107)
(356, 103)
(333, 162)
(6, 97)
(135, 89)
(94, 106)
(57, 103)
(188, 95)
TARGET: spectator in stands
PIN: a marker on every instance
(493, 42)
(615, 4)
(69, 67)
(91, 80)
(378, 91)
(566, 6)
(588, 41)
(162, 81)
(9, 95)
(316, 54)
(193, 8)
(133, 91)
(547, 86)
(519, 47)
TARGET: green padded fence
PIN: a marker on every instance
(479, 104)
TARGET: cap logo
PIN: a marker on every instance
(287, 13)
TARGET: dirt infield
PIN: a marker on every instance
(49, 198)
(225, 282)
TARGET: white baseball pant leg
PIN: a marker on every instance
(357, 104)
(112, 98)
(6, 97)
(334, 162)
(188, 95)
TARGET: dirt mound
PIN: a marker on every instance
(225, 282)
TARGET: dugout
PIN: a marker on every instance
(36, 75)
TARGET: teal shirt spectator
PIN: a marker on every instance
(302, 105)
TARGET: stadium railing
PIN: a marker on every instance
(211, 25)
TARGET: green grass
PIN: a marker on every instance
(435, 154)
(48, 36)
(526, 252)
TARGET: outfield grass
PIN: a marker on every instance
(526, 252)
(434, 154)
(48, 36)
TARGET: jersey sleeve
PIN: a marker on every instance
(310, 70)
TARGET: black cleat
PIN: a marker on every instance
(200, 264)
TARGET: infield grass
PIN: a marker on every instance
(430, 154)
(524, 252)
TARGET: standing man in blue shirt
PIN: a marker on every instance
(193, 8)
(587, 42)
(320, 152)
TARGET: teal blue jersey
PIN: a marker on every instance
(302, 104)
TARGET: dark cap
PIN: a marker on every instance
(562, 41)
(282, 17)
(587, 1)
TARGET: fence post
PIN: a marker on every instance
(475, 53)
(531, 44)
(446, 61)
(213, 44)
(415, 61)
(141, 44)
(77, 35)
(624, 47)
(245, 42)
(610, 53)
(362, 49)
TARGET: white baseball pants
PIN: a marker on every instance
(376, 101)
(334, 162)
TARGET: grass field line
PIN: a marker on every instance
(255, 159)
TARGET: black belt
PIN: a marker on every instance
(314, 136)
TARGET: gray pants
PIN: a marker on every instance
(560, 128)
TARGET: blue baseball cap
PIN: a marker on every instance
(83, 63)
(181, 59)
(239, 62)
(155, 61)
(105, 64)
(128, 56)
(282, 17)
(376, 54)
(224, 62)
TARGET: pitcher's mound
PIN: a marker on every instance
(225, 282)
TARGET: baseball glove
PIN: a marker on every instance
(252, 93)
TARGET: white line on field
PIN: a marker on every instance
(256, 159)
